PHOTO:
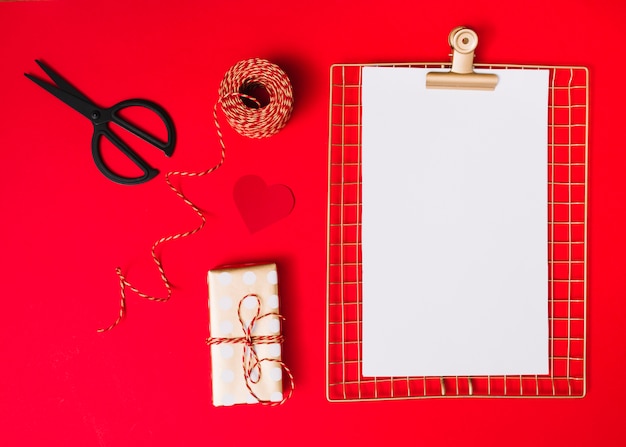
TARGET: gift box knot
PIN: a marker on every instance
(250, 361)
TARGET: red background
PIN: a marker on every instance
(65, 227)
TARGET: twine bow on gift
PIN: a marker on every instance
(250, 361)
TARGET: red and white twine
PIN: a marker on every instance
(250, 361)
(252, 122)
(259, 122)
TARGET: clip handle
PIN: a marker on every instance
(463, 42)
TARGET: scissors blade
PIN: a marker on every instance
(60, 81)
(82, 106)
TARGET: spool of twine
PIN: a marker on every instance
(253, 118)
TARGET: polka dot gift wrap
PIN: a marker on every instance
(238, 296)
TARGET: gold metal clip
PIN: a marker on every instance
(463, 42)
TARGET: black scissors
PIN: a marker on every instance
(102, 117)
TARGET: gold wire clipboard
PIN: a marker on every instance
(567, 251)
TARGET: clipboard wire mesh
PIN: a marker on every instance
(567, 239)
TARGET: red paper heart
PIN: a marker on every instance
(261, 205)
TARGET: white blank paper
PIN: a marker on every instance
(454, 225)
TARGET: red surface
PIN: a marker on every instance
(65, 227)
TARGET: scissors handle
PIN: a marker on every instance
(102, 130)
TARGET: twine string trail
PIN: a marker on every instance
(252, 122)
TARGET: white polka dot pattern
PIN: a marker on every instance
(276, 374)
(228, 399)
(250, 302)
(274, 350)
(225, 278)
(272, 301)
(226, 327)
(226, 351)
(226, 302)
(228, 376)
(249, 278)
(276, 396)
(272, 277)
(274, 325)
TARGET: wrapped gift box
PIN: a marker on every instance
(237, 296)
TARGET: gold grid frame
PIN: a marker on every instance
(567, 251)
